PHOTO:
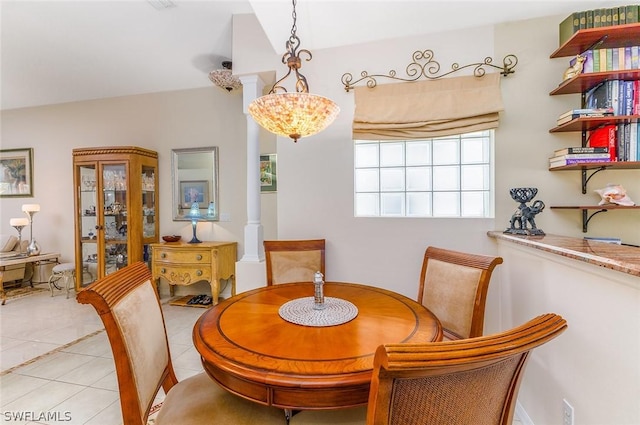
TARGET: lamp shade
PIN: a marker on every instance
(194, 212)
(225, 79)
(19, 221)
(294, 115)
(31, 207)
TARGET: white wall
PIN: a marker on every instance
(161, 122)
(594, 363)
(315, 192)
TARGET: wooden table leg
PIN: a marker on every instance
(3, 295)
(215, 290)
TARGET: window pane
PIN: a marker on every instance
(473, 204)
(392, 204)
(391, 179)
(391, 154)
(418, 178)
(475, 177)
(366, 155)
(418, 153)
(418, 204)
(446, 178)
(445, 151)
(367, 180)
(449, 176)
(367, 204)
(474, 151)
(446, 204)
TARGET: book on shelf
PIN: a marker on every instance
(584, 113)
(581, 149)
(596, 155)
(604, 137)
(574, 161)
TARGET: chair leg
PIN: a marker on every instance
(53, 279)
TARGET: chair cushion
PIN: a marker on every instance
(199, 400)
(139, 317)
(450, 294)
(7, 243)
(295, 266)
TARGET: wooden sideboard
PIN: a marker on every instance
(182, 263)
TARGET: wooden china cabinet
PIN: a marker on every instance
(116, 209)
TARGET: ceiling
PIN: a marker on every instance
(63, 51)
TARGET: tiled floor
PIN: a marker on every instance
(75, 382)
(73, 377)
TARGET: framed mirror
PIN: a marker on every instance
(195, 183)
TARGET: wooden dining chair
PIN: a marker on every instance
(454, 285)
(469, 381)
(293, 260)
(129, 307)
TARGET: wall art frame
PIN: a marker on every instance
(16, 173)
(268, 173)
(194, 191)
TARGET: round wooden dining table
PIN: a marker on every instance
(249, 349)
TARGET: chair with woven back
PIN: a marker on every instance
(130, 309)
(467, 381)
(454, 286)
(293, 260)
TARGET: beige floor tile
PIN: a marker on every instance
(23, 352)
(90, 372)
(13, 386)
(111, 415)
(86, 404)
(45, 398)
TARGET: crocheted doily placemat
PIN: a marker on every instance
(301, 312)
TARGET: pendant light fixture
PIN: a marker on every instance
(224, 78)
(293, 114)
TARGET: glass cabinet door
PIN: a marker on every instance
(88, 223)
(115, 212)
(149, 223)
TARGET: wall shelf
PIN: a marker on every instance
(583, 82)
(613, 36)
(600, 208)
(590, 123)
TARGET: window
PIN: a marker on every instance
(449, 176)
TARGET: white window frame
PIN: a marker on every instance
(400, 197)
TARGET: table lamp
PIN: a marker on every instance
(194, 215)
(19, 224)
(30, 210)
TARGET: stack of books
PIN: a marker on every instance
(579, 155)
(596, 18)
(572, 114)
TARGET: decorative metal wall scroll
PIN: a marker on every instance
(424, 65)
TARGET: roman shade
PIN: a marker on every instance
(427, 109)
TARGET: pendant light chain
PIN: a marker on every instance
(294, 28)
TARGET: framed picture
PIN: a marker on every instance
(16, 173)
(194, 191)
(268, 177)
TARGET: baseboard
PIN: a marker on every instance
(522, 415)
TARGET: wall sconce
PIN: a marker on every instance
(194, 215)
